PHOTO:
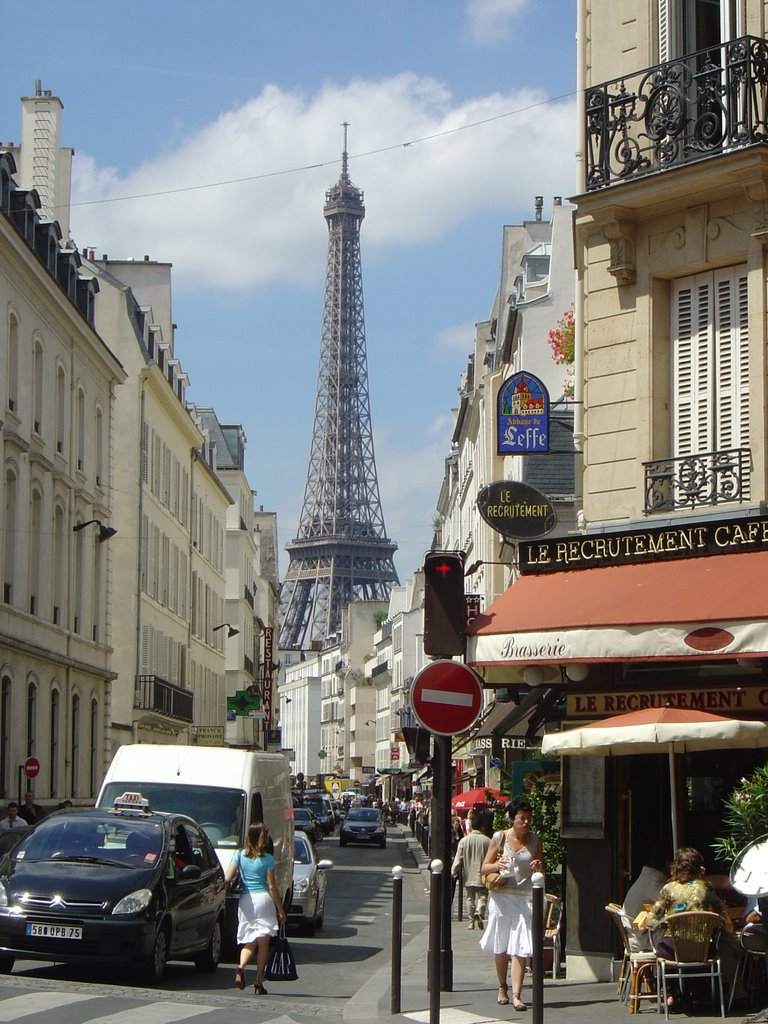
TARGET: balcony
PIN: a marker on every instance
(694, 481)
(701, 105)
(166, 699)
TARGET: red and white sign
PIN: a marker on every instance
(31, 767)
(446, 697)
(394, 752)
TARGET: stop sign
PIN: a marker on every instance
(31, 767)
(446, 697)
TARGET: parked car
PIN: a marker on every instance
(322, 811)
(363, 825)
(307, 906)
(305, 821)
(126, 886)
(9, 837)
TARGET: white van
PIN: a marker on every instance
(222, 788)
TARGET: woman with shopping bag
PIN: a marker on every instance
(260, 907)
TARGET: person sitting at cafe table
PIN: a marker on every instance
(687, 890)
(644, 891)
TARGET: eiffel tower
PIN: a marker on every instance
(341, 552)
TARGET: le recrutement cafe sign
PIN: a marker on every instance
(516, 510)
(656, 544)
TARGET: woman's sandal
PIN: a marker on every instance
(518, 1004)
(503, 995)
(240, 978)
(259, 990)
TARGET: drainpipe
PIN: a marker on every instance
(578, 349)
(139, 555)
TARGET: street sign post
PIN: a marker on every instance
(446, 697)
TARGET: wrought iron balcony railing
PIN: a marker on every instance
(696, 106)
(155, 694)
(692, 481)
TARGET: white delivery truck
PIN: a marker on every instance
(224, 789)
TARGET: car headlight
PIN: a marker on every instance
(134, 902)
(300, 887)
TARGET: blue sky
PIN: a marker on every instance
(460, 112)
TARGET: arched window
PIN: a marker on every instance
(81, 430)
(31, 718)
(79, 569)
(35, 559)
(94, 773)
(53, 746)
(97, 612)
(99, 448)
(5, 736)
(37, 384)
(74, 759)
(9, 543)
(59, 565)
(61, 408)
(12, 395)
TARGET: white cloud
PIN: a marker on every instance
(491, 21)
(459, 338)
(257, 232)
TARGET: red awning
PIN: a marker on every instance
(714, 606)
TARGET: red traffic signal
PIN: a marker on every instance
(444, 603)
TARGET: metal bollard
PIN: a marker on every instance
(435, 934)
(397, 938)
(537, 937)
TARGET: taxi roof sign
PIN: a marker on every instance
(134, 801)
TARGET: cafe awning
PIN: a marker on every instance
(708, 607)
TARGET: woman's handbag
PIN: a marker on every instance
(493, 880)
(281, 966)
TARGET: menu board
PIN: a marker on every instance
(584, 797)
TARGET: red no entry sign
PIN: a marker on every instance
(31, 767)
(446, 697)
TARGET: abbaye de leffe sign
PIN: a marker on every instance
(516, 510)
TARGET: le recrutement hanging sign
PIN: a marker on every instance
(516, 510)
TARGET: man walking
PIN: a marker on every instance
(470, 854)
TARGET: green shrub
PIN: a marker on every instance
(746, 815)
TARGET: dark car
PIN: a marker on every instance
(363, 825)
(117, 887)
(322, 811)
(305, 821)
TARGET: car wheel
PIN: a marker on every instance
(6, 964)
(209, 959)
(155, 965)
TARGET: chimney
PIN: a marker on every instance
(558, 201)
(538, 204)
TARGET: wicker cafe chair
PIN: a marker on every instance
(692, 933)
(552, 917)
(636, 975)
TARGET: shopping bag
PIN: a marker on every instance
(281, 966)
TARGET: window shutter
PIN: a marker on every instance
(692, 338)
(732, 357)
(665, 18)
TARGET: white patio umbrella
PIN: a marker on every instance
(656, 731)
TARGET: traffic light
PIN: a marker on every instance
(445, 612)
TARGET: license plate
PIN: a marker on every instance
(54, 931)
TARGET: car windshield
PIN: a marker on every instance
(363, 814)
(301, 852)
(115, 839)
(219, 811)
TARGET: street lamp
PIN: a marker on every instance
(231, 631)
(105, 532)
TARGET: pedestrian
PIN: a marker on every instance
(12, 820)
(29, 810)
(260, 907)
(470, 854)
(645, 889)
(516, 853)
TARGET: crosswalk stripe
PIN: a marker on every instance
(30, 1003)
(154, 1013)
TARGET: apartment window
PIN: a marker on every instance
(81, 430)
(59, 564)
(61, 408)
(94, 774)
(710, 362)
(31, 718)
(78, 581)
(9, 545)
(686, 26)
(35, 542)
(74, 760)
(99, 448)
(13, 363)
(37, 384)
(53, 746)
(5, 739)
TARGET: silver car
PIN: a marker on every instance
(307, 907)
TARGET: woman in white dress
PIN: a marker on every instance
(515, 853)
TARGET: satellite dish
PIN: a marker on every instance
(749, 871)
